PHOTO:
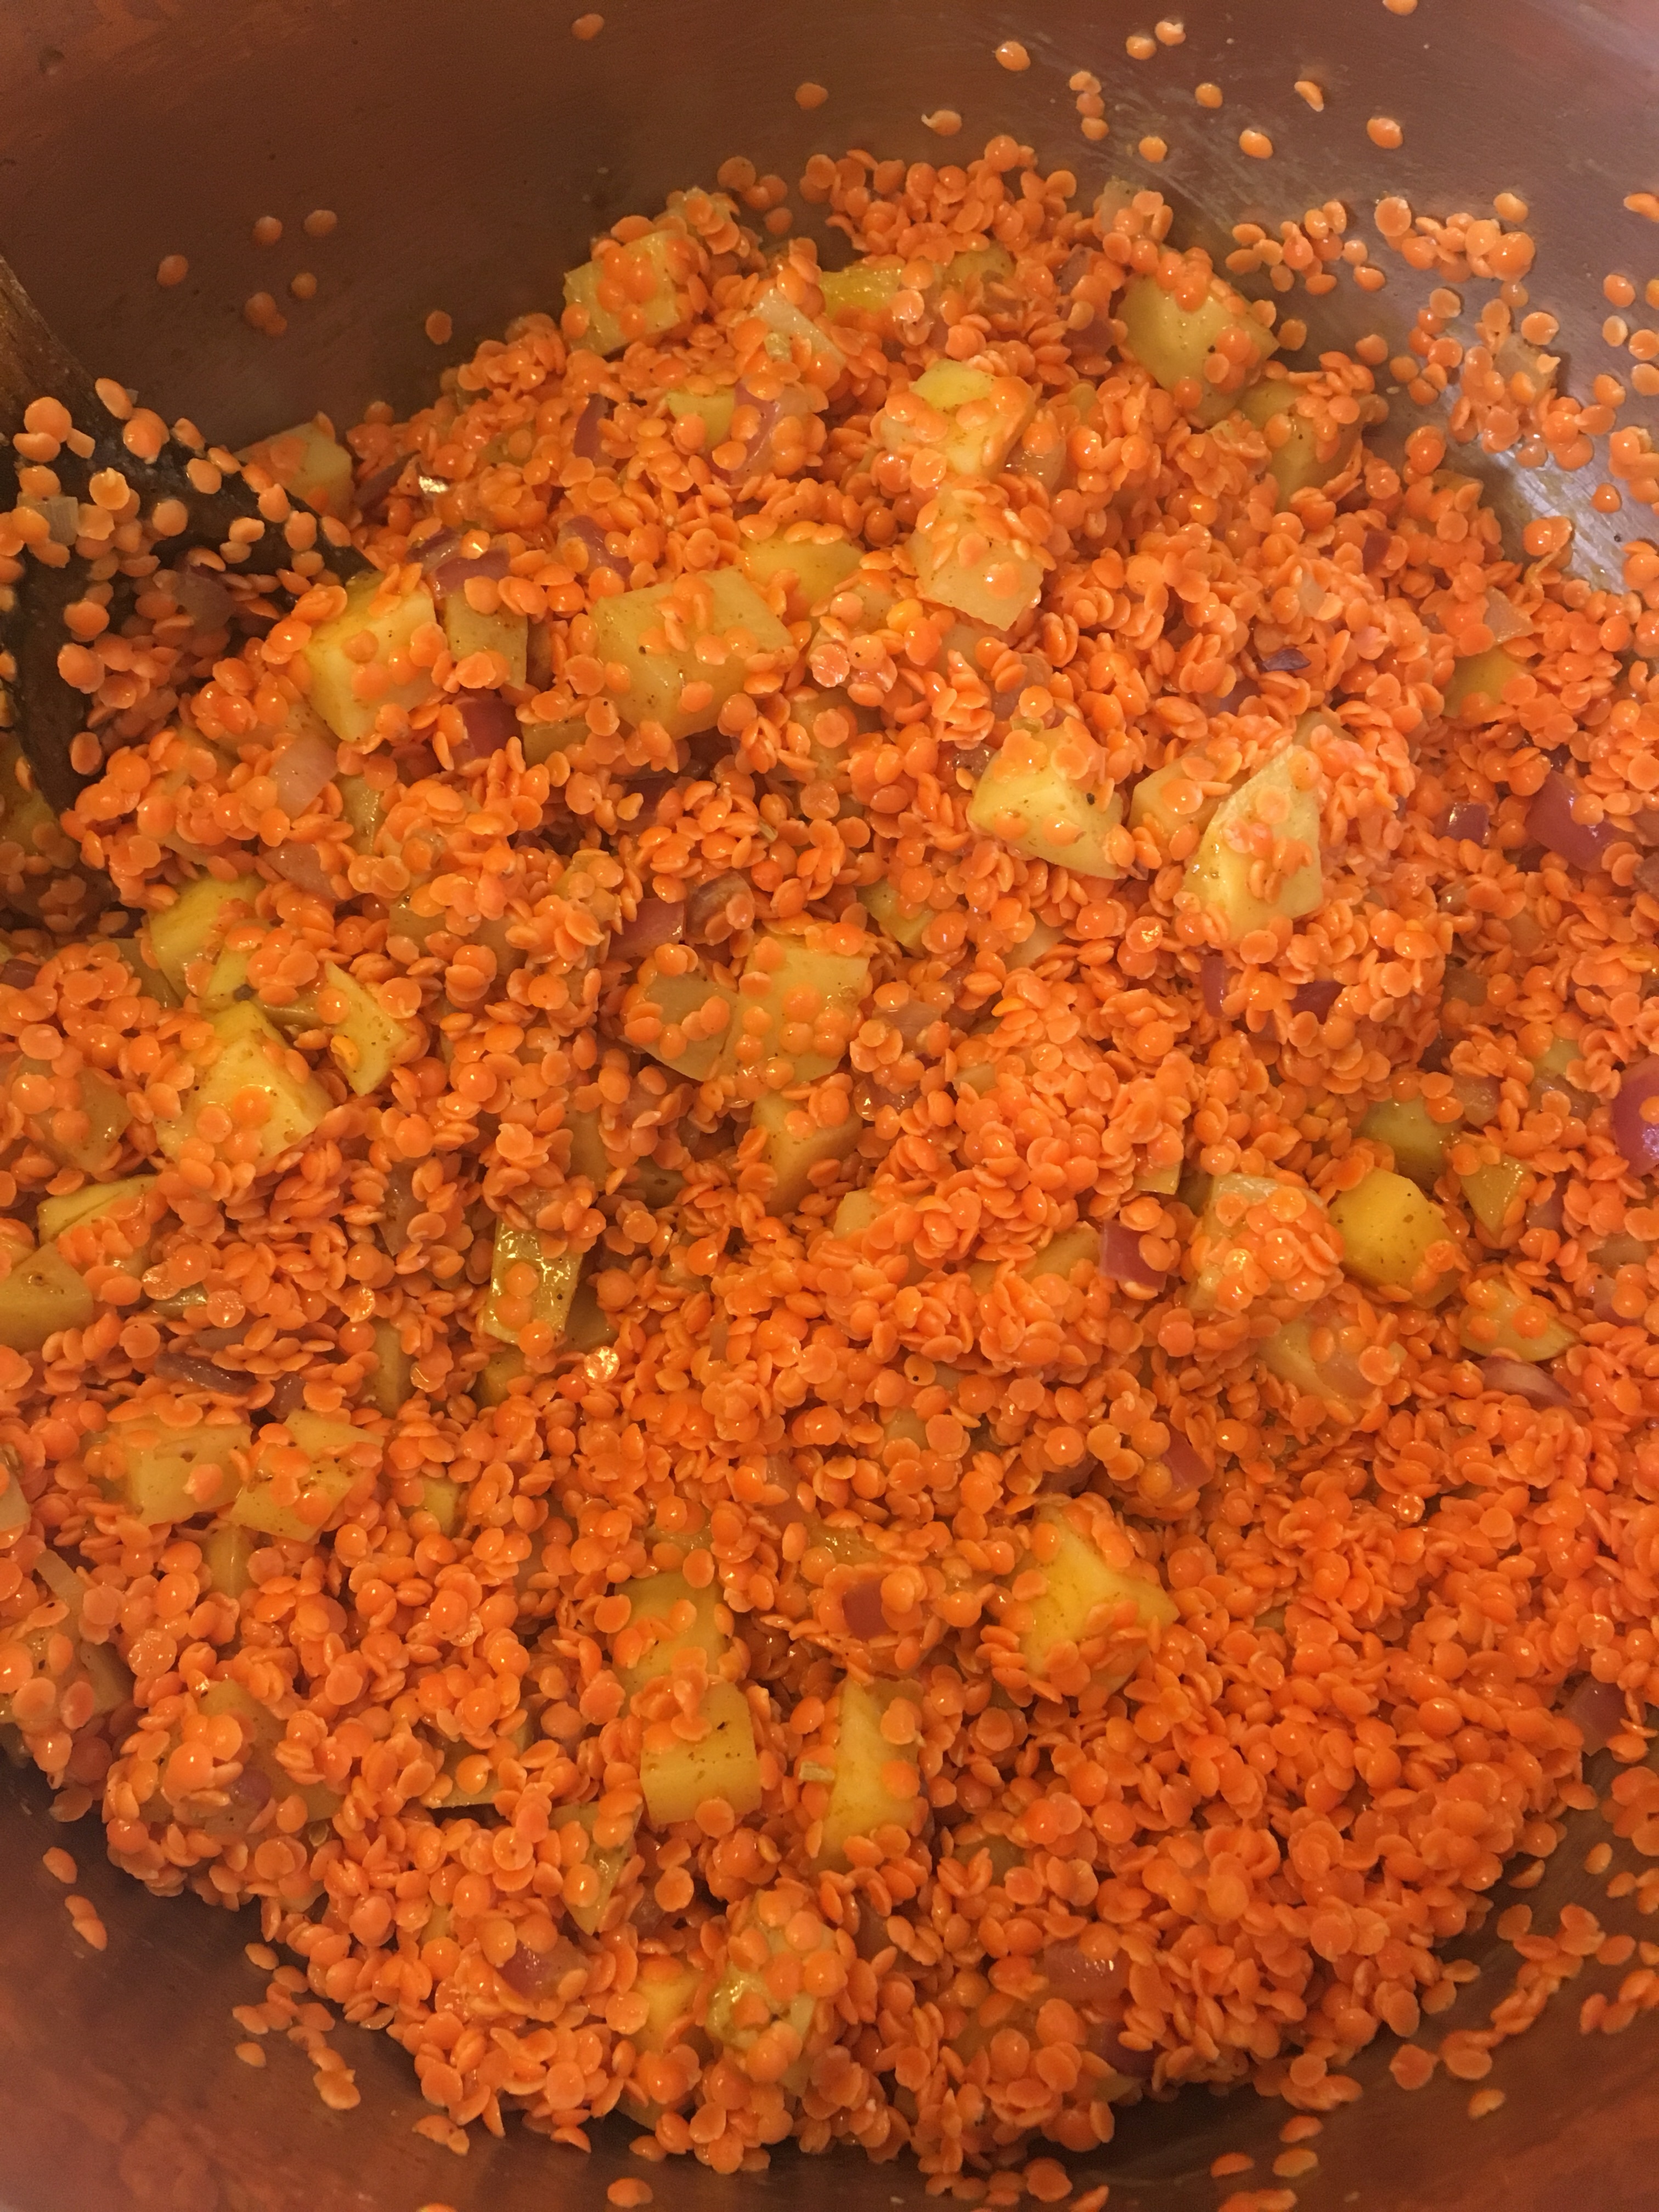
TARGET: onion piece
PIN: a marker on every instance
(1637, 1137)
(376, 487)
(288, 1395)
(1518, 1378)
(1646, 877)
(18, 974)
(1212, 982)
(587, 533)
(1596, 1710)
(433, 551)
(305, 766)
(1551, 822)
(1106, 2042)
(302, 865)
(756, 447)
(1480, 1097)
(655, 921)
(1548, 1211)
(1316, 999)
(1182, 1457)
(710, 903)
(1287, 661)
(453, 573)
(1504, 619)
(535, 1975)
(203, 1375)
(202, 596)
(1074, 1976)
(861, 1608)
(584, 439)
(1466, 820)
(489, 721)
(1120, 1258)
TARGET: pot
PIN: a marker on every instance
(470, 155)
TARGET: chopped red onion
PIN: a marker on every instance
(202, 596)
(300, 865)
(861, 1610)
(1548, 1211)
(790, 401)
(305, 766)
(1182, 1457)
(1638, 1138)
(1596, 1710)
(584, 440)
(458, 571)
(375, 489)
(707, 903)
(535, 1975)
(655, 921)
(489, 720)
(1212, 982)
(398, 1207)
(1316, 999)
(433, 551)
(1504, 619)
(1120, 1258)
(1466, 820)
(1520, 1378)
(18, 974)
(1373, 546)
(1107, 2042)
(1551, 822)
(1480, 1097)
(1646, 877)
(590, 538)
(1287, 661)
(288, 1395)
(203, 1375)
(1075, 1978)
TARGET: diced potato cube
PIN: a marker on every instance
(1493, 1190)
(262, 1731)
(792, 335)
(41, 1295)
(250, 1056)
(1173, 798)
(104, 1109)
(367, 1042)
(976, 267)
(364, 805)
(1174, 344)
(1417, 1142)
(227, 982)
(441, 1498)
(556, 1275)
(691, 1623)
(1081, 1580)
(700, 635)
(493, 1383)
(175, 1475)
(193, 926)
(796, 1145)
(969, 417)
(723, 1763)
(968, 556)
(863, 288)
(55, 1215)
(607, 1861)
(1222, 1247)
(1484, 675)
(861, 1797)
(1388, 1230)
(819, 566)
(714, 410)
(1028, 799)
(1039, 941)
(1299, 457)
(1501, 1315)
(668, 1987)
(905, 924)
(392, 1383)
(310, 464)
(348, 692)
(502, 632)
(1061, 1255)
(630, 292)
(801, 993)
(746, 2002)
(264, 1502)
(1277, 809)
(226, 1552)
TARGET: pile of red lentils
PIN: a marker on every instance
(1396, 1631)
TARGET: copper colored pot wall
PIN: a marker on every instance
(470, 147)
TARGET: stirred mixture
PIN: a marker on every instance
(840, 1325)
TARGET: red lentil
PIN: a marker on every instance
(172, 268)
(866, 1445)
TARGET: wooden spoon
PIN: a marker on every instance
(47, 713)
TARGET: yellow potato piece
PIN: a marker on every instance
(1493, 1189)
(860, 1801)
(342, 691)
(557, 1277)
(968, 556)
(796, 1145)
(687, 647)
(1283, 797)
(1304, 460)
(310, 464)
(176, 1474)
(195, 921)
(1027, 799)
(1500, 1314)
(1388, 1229)
(1417, 1142)
(1173, 343)
(1080, 1582)
(650, 273)
(42, 1295)
(608, 1861)
(1484, 675)
(251, 1055)
(723, 1762)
